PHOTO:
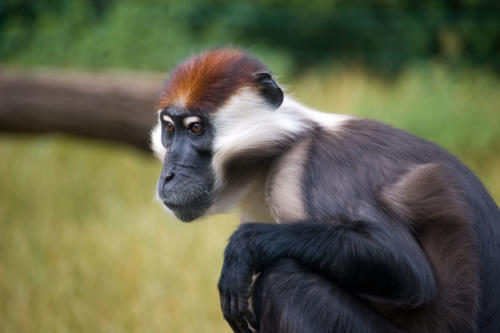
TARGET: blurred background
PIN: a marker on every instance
(83, 245)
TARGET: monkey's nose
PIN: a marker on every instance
(169, 176)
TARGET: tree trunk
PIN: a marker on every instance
(116, 107)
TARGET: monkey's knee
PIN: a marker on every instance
(287, 298)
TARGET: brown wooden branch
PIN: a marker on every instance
(116, 107)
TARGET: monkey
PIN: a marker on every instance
(348, 224)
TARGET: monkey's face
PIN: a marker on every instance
(186, 182)
(215, 109)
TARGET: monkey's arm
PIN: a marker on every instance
(366, 258)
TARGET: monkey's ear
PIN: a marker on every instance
(269, 89)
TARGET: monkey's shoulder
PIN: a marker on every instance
(342, 170)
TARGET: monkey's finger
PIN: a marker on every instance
(243, 327)
(224, 304)
(233, 325)
(252, 319)
(246, 313)
(231, 314)
(246, 329)
(237, 315)
(225, 301)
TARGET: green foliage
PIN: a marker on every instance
(383, 35)
(148, 35)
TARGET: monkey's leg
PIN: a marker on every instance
(378, 263)
(287, 298)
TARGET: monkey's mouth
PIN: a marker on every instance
(188, 209)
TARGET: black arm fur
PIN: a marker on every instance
(365, 258)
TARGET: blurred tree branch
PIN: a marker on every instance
(113, 106)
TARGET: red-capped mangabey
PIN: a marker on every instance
(372, 229)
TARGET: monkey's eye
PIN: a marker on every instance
(196, 128)
(169, 126)
(168, 123)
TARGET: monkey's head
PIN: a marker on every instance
(213, 109)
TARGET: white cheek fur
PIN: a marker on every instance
(247, 122)
(156, 144)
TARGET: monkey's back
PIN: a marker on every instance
(352, 166)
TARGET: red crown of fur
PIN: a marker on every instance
(204, 82)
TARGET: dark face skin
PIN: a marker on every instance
(186, 181)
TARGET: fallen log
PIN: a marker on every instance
(109, 106)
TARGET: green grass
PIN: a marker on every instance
(84, 247)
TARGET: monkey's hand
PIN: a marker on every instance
(235, 285)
